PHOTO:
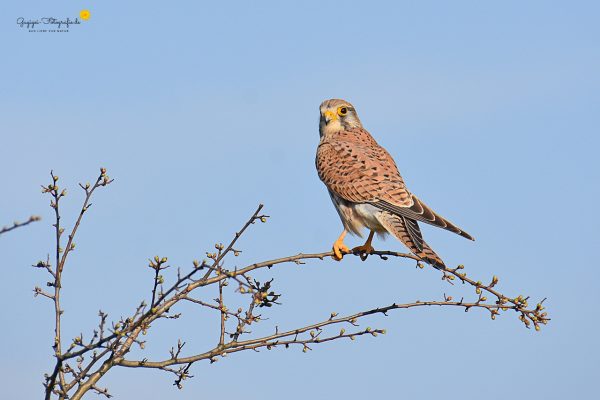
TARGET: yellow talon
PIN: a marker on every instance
(366, 249)
(339, 248)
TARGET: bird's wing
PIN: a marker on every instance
(421, 212)
(366, 173)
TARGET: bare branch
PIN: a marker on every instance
(17, 224)
(223, 310)
(273, 340)
(57, 195)
(109, 344)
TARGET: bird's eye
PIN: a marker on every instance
(342, 111)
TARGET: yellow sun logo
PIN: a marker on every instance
(84, 14)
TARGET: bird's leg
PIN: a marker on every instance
(339, 248)
(366, 248)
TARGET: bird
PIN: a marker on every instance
(367, 189)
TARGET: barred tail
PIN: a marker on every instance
(407, 231)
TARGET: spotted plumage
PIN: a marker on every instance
(366, 187)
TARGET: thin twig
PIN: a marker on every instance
(108, 349)
(53, 189)
(223, 314)
(17, 224)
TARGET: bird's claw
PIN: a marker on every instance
(339, 249)
(363, 251)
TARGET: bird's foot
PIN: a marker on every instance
(366, 249)
(363, 251)
(339, 249)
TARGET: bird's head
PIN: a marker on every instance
(337, 115)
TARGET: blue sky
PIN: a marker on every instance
(201, 111)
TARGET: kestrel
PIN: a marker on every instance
(366, 187)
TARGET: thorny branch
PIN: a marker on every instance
(108, 346)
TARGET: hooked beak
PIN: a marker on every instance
(329, 116)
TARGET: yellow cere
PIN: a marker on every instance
(331, 116)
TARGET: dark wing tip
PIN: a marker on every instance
(466, 235)
(421, 212)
